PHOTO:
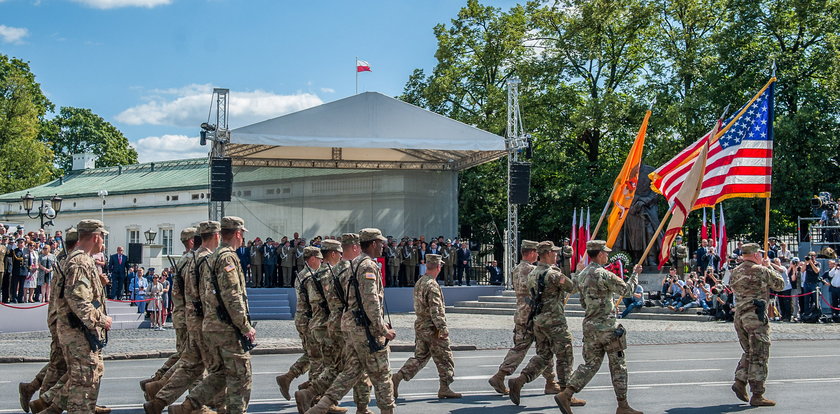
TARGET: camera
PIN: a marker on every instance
(824, 202)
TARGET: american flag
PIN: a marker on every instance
(740, 162)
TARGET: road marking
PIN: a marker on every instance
(480, 377)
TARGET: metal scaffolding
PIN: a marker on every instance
(515, 141)
(219, 135)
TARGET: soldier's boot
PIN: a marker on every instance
(624, 408)
(284, 382)
(323, 407)
(36, 405)
(740, 390)
(148, 380)
(53, 409)
(26, 390)
(758, 400)
(564, 400)
(152, 389)
(334, 409)
(515, 388)
(304, 385)
(154, 406)
(101, 409)
(576, 402)
(498, 383)
(387, 411)
(363, 409)
(304, 400)
(396, 379)
(445, 392)
(552, 387)
(187, 407)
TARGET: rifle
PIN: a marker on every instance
(76, 323)
(320, 288)
(536, 299)
(197, 305)
(177, 279)
(339, 290)
(361, 317)
(223, 314)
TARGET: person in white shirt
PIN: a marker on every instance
(834, 288)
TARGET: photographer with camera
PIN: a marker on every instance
(832, 279)
(809, 285)
(783, 300)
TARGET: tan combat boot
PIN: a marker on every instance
(515, 385)
(576, 402)
(624, 408)
(186, 408)
(26, 390)
(304, 385)
(304, 400)
(36, 405)
(564, 400)
(758, 400)
(101, 409)
(445, 392)
(396, 379)
(552, 387)
(323, 407)
(148, 380)
(284, 382)
(740, 390)
(155, 406)
(334, 409)
(363, 409)
(387, 411)
(152, 389)
(498, 383)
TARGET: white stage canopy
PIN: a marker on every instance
(364, 131)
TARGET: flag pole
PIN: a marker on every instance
(650, 245)
(356, 67)
(771, 118)
(603, 214)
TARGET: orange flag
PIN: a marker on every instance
(625, 185)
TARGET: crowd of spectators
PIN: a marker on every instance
(26, 264)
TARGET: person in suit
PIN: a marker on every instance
(244, 254)
(118, 268)
(495, 273)
(702, 262)
(463, 264)
(421, 258)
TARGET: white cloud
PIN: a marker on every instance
(327, 90)
(13, 34)
(188, 106)
(169, 147)
(114, 4)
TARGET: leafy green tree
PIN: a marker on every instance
(79, 130)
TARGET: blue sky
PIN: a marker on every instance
(148, 66)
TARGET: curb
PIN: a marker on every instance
(255, 351)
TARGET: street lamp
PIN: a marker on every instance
(150, 235)
(44, 211)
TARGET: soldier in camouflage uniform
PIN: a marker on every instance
(565, 258)
(431, 336)
(751, 282)
(679, 253)
(178, 311)
(600, 334)
(365, 283)
(548, 287)
(523, 334)
(52, 378)
(448, 255)
(409, 260)
(223, 293)
(83, 312)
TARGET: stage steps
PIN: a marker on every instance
(269, 303)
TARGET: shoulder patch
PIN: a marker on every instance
(230, 267)
(371, 276)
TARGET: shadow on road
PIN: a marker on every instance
(723, 408)
(475, 402)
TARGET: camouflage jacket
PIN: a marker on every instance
(366, 272)
(194, 287)
(83, 294)
(225, 267)
(179, 318)
(334, 283)
(597, 287)
(314, 285)
(753, 281)
(56, 284)
(679, 253)
(553, 294)
(429, 306)
(519, 276)
(303, 312)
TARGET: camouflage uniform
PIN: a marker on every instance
(83, 299)
(429, 327)
(229, 366)
(678, 255)
(359, 359)
(565, 259)
(321, 357)
(751, 282)
(307, 338)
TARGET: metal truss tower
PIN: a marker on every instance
(515, 141)
(219, 135)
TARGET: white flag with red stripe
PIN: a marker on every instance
(362, 66)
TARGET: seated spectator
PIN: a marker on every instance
(636, 302)
(722, 302)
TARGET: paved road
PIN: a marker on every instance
(670, 379)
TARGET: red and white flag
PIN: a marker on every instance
(573, 241)
(714, 225)
(722, 241)
(581, 238)
(704, 230)
(362, 66)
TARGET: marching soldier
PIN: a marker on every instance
(226, 328)
(431, 336)
(548, 287)
(83, 322)
(751, 283)
(367, 333)
(600, 334)
(523, 334)
(392, 257)
(565, 260)
(679, 253)
(448, 258)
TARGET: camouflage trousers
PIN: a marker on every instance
(190, 368)
(227, 366)
(333, 347)
(168, 367)
(49, 375)
(313, 353)
(428, 345)
(84, 373)
(553, 341)
(594, 344)
(754, 337)
(522, 340)
(358, 362)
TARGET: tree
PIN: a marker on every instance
(79, 130)
(26, 161)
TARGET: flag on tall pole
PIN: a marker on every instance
(588, 236)
(704, 231)
(722, 241)
(714, 226)
(573, 241)
(624, 187)
(361, 66)
(581, 238)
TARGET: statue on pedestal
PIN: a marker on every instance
(642, 221)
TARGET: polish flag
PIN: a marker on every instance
(573, 241)
(704, 231)
(722, 240)
(362, 66)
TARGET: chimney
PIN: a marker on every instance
(153, 166)
(84, 161)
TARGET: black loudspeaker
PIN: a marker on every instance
(466, 231)
(221, 179)
(135, 253)
(520, 182)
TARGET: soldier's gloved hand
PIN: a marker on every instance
(252, 335)
(637, 269)
(390, 334)
(580, 266)
(108, 321)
